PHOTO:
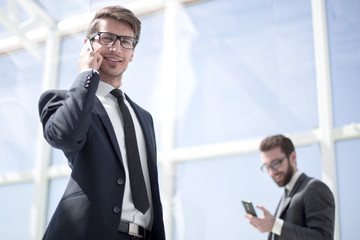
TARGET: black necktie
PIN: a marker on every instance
(137, 182)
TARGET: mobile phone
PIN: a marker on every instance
(249, 208)
(88, 44)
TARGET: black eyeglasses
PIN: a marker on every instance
(109, 39)
(274, 165)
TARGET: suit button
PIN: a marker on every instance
(87, 81)
(116, 210)
(119, 181)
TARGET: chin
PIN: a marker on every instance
(280, 183)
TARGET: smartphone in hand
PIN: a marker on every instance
(88, 44)
(249, 208)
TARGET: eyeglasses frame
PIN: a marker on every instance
(92, 36)
(271, 165)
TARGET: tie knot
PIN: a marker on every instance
(286, 192)
(117, 93)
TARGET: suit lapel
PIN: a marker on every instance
(99, 109)
(293, 191)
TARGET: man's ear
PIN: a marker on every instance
(293, 157)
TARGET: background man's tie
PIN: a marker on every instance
(282, 202)
(137, 182)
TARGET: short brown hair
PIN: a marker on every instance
(274, 141)
(118, 13)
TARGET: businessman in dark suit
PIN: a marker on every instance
(306, 210)
(87, 123)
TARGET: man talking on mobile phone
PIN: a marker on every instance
(109, 141)
(306, 210)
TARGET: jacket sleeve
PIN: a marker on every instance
(65, 115)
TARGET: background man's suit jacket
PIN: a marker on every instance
(76, 122)
(308, 212)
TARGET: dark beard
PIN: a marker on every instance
(289, 173)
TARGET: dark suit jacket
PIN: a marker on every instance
(308, 212)
(76, 122)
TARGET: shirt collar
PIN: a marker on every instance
(104, 89)
(292, 181)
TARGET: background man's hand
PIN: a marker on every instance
(265, 223)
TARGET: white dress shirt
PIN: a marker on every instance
(129, 212)
(278, 221)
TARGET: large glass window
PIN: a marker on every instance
(249, 70)
(344, 38)
(70, 51)
(15, 211)
(20, 87)
(348, 153)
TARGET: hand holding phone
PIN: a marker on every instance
(249, 208)
(89, 59)
(88, 44)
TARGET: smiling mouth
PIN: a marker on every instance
(113, 59)
(278, 177)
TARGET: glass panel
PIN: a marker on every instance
(19, 15)
(68, 68)
(58, 157)
(246, 69)
(20, 87)
(97, 4)
(61, 10)
(348, 164)
(3, 32)
(15, 211)
(344, 38)
(208, 194)
(309, 160)
(56, 189)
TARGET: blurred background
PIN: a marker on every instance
(218, 76)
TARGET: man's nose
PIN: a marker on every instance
(271, 171)
(116, 46)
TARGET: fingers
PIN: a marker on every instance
(251, 219)
(255, 222)
(263, 209)
(89, 59)
(263, 223)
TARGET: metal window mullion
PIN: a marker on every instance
(325, 109)
(168, 95)
(41, 180)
